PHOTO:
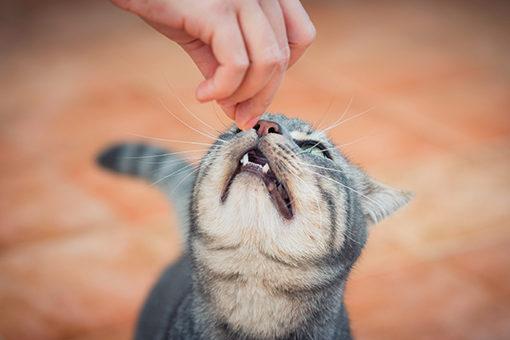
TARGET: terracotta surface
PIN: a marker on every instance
(80, 248)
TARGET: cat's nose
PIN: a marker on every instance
(264, 127)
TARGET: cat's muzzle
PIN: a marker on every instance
(254, 161)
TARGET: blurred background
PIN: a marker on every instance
(80, 247)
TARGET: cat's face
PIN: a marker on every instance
(283, 190)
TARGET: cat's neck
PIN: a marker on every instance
(266, 299)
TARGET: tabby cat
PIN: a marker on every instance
(274, 217)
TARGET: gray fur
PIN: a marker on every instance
(169, 172)
(251, 272)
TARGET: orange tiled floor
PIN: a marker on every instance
(79, 248)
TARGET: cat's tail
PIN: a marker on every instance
(172, 174)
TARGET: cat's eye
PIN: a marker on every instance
(314, 149)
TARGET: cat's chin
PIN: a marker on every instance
(255, 163)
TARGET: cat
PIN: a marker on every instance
(275, 218)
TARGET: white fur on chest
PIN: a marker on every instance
(254, 302)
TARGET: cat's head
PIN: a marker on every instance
(284, 190)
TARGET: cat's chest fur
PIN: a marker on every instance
(252, 292)
(252, 300)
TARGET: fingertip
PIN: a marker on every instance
(250, 124)
(244, 117)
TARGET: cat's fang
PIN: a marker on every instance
(245, 159)
(265, 168)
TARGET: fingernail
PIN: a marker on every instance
(244, 116)
(250, 124)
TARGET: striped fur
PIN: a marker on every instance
(254, 270)
(173, 175)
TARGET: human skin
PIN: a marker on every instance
(242, 47)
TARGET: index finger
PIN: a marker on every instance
(228, 47)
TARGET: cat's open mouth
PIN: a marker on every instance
(255, 162)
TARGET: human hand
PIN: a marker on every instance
(242, 47)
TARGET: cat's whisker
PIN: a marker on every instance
(164, 154)
(345, 186)
(171, 162)
(350, 118)
(183, 169)
(311, 191)
(355, 141)
(337, 147)
(166, 140)
(318, 125)
(217, 116)
(320, 167)
(353, 240)
(337, 182)
(341, 117)
(191, 173)
(189, 126)
(306, 150)
(178, 184)
(185, 107)
(177, 172)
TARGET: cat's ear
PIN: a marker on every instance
(380, 201)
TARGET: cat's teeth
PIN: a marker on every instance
(245, 159)
(265, 168)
